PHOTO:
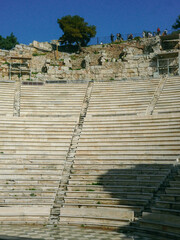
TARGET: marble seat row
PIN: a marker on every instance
(164, 214)
(52, 99)
(7, 91)
(120, 163)
(169, 99)
(121, 98)
(32, 156)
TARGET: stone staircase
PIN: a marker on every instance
(169, 100)
(119, 164)
(65, 175)
(99, 154)
(163, 215)
(32, 155)
(7, 90)
(17, 98)
(128, 97)
(52, 100)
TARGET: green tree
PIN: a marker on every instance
(9, 42)
(76, 30)
(176, 25)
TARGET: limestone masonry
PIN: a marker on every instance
(43, 61)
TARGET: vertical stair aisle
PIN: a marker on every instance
(17, 96)
(59, 198)
(156, 96)
(162, 215)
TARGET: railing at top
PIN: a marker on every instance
(107, 39)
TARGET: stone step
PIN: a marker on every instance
(55, 111)
(18, 185)
(16, 211)
(132, 188)
(24, 148)
(10, 164)
(26, 177)
(149, 123)
(125, 171)
(169, 197)
(29, 152)
(132, 143)
(167, 205)
(160, 210)
(117, 182)
(104, 194)
(36, 126)
(21, 220)
(130, 121)
(121, 177)
(120, 119)
(98, 212)
(35, 132)
(104, 223)
(26, 192)
(175, 184)
(25, 138)
(105, 201)
(124, 147)
(161, 222)
(136, 209)
(123, 165)
(139, 136)
(31, 200)
(138, 158)
(134, 132)
(8, 171)
(103, 127)
(34, 144)
(111, 153)
(37, 120)
(152, 233)
(42, 158)
(172, 190)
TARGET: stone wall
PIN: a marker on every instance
(100, 62)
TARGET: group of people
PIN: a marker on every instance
(144, 34)
(118, 37)
(157, 33)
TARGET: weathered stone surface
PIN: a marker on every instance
(94, 62)
(42, 45)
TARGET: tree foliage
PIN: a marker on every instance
(176, 25)
(9, 42)
(76, 30)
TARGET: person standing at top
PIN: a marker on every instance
(112, 37)
(158, 31)
(130, 37)
(165, 32)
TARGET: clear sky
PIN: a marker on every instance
(37, 19)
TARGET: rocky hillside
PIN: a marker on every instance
(109, 61)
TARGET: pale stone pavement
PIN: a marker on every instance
(17, 232)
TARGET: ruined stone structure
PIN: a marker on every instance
(112, 61)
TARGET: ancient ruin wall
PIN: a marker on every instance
(100, 62)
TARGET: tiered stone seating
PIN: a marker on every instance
(52, 99)
(32, 156)
(164, 215)
(7, 90)
(169, 100)
(120, 163)
(122, 97)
